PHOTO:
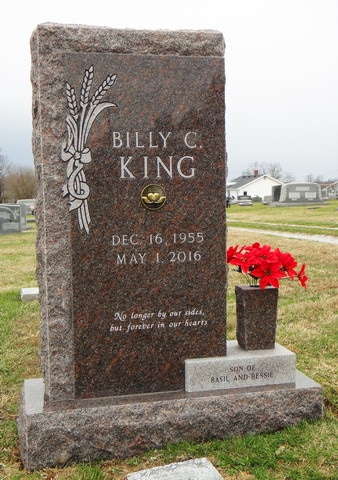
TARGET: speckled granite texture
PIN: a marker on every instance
(90, 430)
(128, 297)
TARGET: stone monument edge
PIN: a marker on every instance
(68, 37)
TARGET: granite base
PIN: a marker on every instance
(122, 427)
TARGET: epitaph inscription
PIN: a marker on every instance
(148, 275)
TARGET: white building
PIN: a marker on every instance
(256, 185)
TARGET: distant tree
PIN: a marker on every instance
(318, 179)
(273, 169)
(4, 171)
(288, 177)
(20, 183)
(252, 167)
(309, 178)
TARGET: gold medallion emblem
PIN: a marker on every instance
(153, 197)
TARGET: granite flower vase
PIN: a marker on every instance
(256, 311)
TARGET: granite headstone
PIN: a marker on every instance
(129, 149)
(131, 184)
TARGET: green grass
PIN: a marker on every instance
(307, 325)
(287, 228)
(319, 219)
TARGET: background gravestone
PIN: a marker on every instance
(297, 194)
(11, 218)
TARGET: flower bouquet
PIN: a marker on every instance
(263, 266)
(256, 309)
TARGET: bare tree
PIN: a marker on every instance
(309, 178)
(319, 179)
(20, 183)
(332, 180)
(252, 167)
(288, 177)
(273, 169)
(5, 167)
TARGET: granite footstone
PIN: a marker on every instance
(29, 294)
(196, 469)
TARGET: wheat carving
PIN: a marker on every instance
(74, 151)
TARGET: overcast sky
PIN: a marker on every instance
(281, 65)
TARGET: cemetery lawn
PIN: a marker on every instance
(307, 219)
(307, 325)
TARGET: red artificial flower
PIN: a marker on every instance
(288, 263)
(231, 252)
(259, 263)
(243, 259)
(260, 251)
(302, 277)
(268, 274)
